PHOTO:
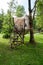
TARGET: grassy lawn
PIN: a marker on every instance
(22, 55)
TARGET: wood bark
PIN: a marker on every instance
(30, 23)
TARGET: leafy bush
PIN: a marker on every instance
(6, 35)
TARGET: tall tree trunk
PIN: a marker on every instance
(30, 23)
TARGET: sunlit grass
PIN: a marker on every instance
(22, 55)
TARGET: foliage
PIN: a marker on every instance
(12, 6)
(8, 20)
(1, 19)
(7, 24)
(6, 35)
(34, 24)
(1, 25)
(20, 11)
(39, 17)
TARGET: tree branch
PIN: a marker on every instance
(34, 9)
(34, 5)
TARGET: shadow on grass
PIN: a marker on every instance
(21, 55)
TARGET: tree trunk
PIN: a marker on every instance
(30, 23)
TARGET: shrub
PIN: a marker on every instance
(6, 35)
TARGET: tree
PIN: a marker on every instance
(31, 18)
(8, 21)
(20, 11)
(12, 6)
(39, 17)
(7, 25)
(1, 19)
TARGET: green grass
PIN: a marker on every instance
(22, 55)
